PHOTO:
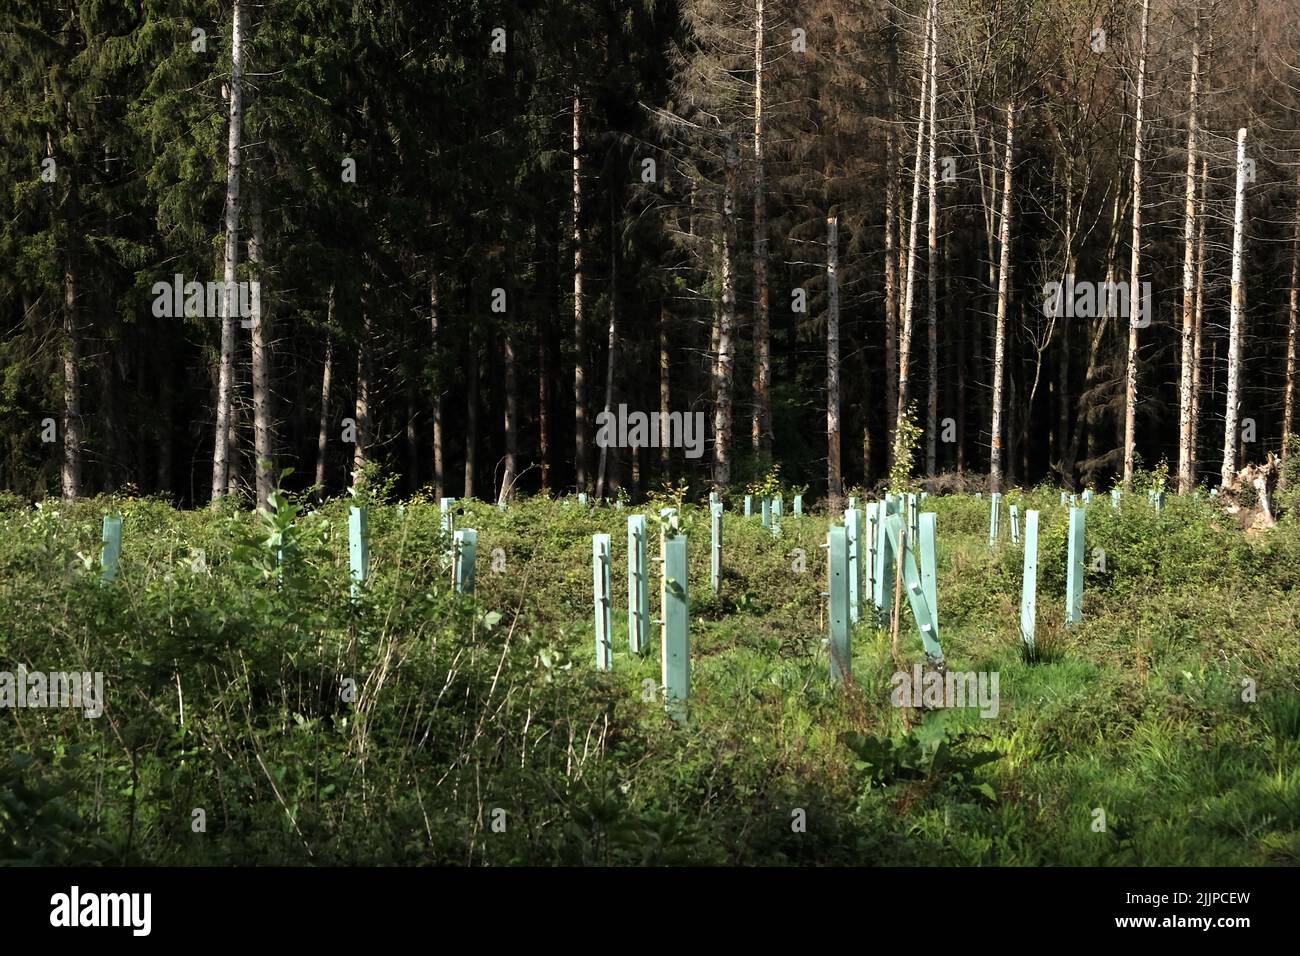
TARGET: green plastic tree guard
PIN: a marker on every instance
(1029, 583)
(1015, 523)
(749, 505)
(798, 506)
(913, 524)
(112, 550)
(838, 595)
(929, 576)
(1074, 568)
(853, 536)
(715, 550)
(638, 586)
(895, 535)
(359, 546)
(600, 577)
(995, 512)
(675, 643)
(1114, 497)
(466, 549)
(778, 507)
(767, 512)
(582, 499)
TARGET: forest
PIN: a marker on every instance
(474, 227)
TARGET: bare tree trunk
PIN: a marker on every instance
(579, 335)
(263, 450)
(1237, 317)
(761, 432)
(435, 346)
(611, 348)
(544, 406)
(665, 458)
(225, 379)
(471, 419)
(1135, 270)
(71, 469)
(361, 412)
(1288, 406)
(1200, 314)
(891, 245)
(932, 316)
(909, 280)
(725, 369)
(834, 474)
(1004, 282)
(1186, 470)
(511, 421)
(326, 385)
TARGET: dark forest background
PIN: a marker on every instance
(669, 288)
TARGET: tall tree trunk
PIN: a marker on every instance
(439, 389)
(511, 420)
(1237, 318)
(225, 378)
(1135, 266)
(1004, 284)
(1197, 338)
(579, 332)
(665, 457)
(326, 386)
(70, 471)
(471, 419)
(932, 276)
(611, 349)
(1186, 470)
(361, 413)
(263, 450)
(909, 280)
(761, 431)
(834, 473)
(891, 245)
(544, 404)
(725, 369)
(1288, 405)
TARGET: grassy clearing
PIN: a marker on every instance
(226, 692)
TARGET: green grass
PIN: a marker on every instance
(466, 707)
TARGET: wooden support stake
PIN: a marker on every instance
(838, 594)
(359, 546)
(1029, 583)
(675, 642)
(600, 561)
(1015, 523)
(1074, 568)
(638, 586)
(112, 550)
